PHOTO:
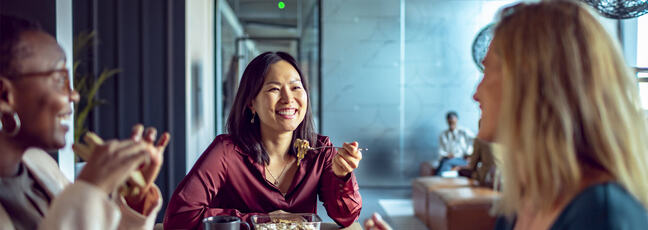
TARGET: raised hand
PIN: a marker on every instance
(110, 164)
(376, 222)
(136, 186)
(154, 150)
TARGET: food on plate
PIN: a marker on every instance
(136, 180)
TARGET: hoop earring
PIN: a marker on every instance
(16, 128)
(253, 115)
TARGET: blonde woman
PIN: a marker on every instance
(559, 98)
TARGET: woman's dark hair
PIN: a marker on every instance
(11, 28)
(247, 135)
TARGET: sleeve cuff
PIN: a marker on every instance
(345, 185)
(349, 198)
(81, 206)
(132, 219)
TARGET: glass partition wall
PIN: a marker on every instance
(391, 71)
(200, 71)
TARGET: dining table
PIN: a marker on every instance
(334, 226)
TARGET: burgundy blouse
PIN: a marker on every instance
(226, 181)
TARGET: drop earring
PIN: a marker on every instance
(17, 125)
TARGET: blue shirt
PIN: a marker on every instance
(602, 206)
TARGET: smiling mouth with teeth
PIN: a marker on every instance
(287, 112)
(64, 118)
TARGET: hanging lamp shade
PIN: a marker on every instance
(480, 45)
(620, 9)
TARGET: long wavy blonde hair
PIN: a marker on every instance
(570, 104)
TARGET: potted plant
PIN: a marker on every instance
(87, 85)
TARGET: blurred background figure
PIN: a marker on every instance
(455, 145)
(481, 164)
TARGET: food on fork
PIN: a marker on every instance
(136, 180)
(302, 147)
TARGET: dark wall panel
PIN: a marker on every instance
(175, 95)
(129, 93)
(44, 13)
(144, 39)
(105, 54)
(153, 77)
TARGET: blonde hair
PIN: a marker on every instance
(570, 104)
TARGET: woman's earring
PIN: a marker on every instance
(16, 125)
(253, 115)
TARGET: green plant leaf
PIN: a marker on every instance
(81, 85)
(102, 78)
(86, 84)
(82, 41)
(75, 66)
(80, 119)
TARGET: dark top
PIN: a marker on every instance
(602, 206)
(227, 181)
(24, 199)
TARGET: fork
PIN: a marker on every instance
(337, 147)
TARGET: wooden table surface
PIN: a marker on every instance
(334, 226)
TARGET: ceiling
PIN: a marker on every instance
(263, 18)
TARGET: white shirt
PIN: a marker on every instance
(457, 142)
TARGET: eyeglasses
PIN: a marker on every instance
(60, 77)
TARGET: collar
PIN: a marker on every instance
(45, 171)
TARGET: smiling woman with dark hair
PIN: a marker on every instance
(254, 169)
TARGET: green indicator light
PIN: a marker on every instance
(281, 5)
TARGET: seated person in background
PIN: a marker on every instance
(255, 169)
(559, 98)
(481, 165)
(35, 97)
(454, 144)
